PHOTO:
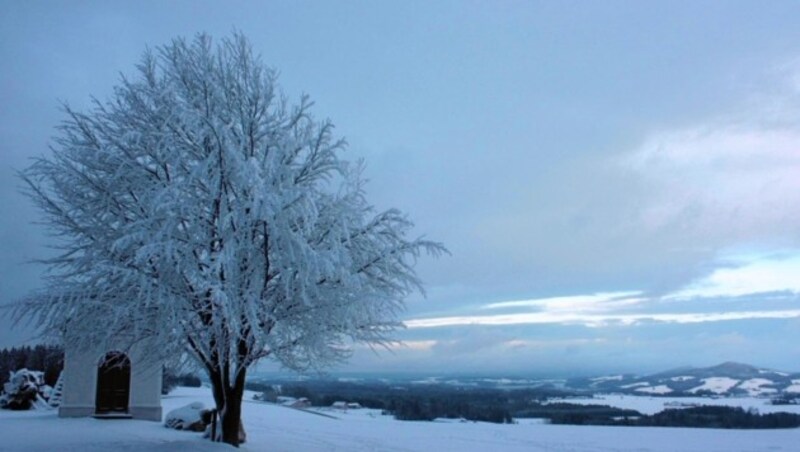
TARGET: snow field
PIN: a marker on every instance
(716, 384)
(280, 429)
(652, 405)
(755, 386)
(660, 389)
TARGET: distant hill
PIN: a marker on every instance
(726, 379)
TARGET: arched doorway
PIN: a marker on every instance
(113, 383)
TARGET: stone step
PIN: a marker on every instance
(112, 416)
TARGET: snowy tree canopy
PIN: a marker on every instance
(199, 207)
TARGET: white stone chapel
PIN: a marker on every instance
(110, 383)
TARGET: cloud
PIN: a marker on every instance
(749, 275)
(686, 196)
(728, 293)
(596, 320)
(733, 181)
(732, 178)
(413, 345)
(582, 303)
(528, 343)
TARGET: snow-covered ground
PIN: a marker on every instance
(756, 386)
(660, 389)
(652, 405)
(276, 428)
(716, 384)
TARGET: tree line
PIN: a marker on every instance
(415, 403)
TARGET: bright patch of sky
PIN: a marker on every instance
(594, 302)
(748, 275)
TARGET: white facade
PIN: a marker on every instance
(85, 380)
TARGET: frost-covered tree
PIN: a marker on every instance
(200, 208)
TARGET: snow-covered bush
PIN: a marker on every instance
(187, 417)
(24, 390)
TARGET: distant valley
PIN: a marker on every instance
(728, 395)
(728, 379)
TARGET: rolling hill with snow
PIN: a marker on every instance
(726, 379)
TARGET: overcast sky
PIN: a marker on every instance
(618, 182)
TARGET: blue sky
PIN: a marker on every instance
(618, 182)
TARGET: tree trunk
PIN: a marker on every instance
(217, 388)
(231, 413)
(230, 420)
